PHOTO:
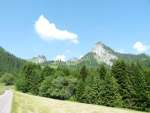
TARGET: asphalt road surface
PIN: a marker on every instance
(6, 102)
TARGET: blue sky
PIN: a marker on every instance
(123, 25)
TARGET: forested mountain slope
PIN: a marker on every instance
(9, 63)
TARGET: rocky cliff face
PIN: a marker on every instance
(39, 59)
(102, 54)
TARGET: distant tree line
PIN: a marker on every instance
(10, 63)
(122, 85)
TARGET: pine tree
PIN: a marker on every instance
(79, 91)
(47, 71)
(30, 78)
(141, 98)
(102, 89)
(102, 72)
(113, 97)
(119, 71)
(83, 73)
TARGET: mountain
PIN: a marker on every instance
(10, 63)
(103, 54)
(100, 54)
(39, 59)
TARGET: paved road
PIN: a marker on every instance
(6, 102)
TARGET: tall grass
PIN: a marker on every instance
(24, 103)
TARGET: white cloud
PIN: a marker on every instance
(140, 47)
(81, 56)
(60, 58)
(121, 50)
(49, 31)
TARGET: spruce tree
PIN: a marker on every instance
(30, 78)
(80, 87)
(113, 97)
(47, 71)
(102, 89)
(83, 72)
(141, 98)
(119, 71)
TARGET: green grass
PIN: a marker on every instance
(3, 87)
(24, 103)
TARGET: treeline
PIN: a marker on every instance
(122, 85)
(9, 63)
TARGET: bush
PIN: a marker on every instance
(59, 87)
(7, 78)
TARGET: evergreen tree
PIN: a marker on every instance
(113, 97)
(119, 71)
(93, 92)
(81, 84)
(64, 69)
(79, 91)
(102, 89)
(21, 83)
(102, 72)
(141, 98)
(83, 73)
(30, 76)
(47, 71)
(10, 63)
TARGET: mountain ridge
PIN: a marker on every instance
(38, 59)
(107, 56)
(100, 54)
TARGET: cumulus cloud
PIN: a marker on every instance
(81, 56)
(121, 50)
(60, 58)
(140, 47)
(49, 31)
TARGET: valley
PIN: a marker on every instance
(75, 56)
(100, 77)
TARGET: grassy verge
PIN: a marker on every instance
(24, 103)
(3, 87)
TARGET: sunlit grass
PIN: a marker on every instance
(3, 87)
(24, 103)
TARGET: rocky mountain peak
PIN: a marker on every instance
(98, 48)
(103, 54)
(39, 59)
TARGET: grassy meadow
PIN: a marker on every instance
(25, 103)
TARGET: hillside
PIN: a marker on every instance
(9, 63)
(101, 53)
(24, 103)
